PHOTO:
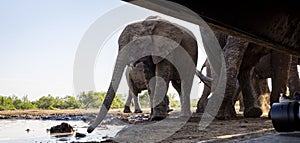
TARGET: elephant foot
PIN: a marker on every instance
(170, 110)
(241, 109)
(200, 109)
(157, 117)
(138, 111)
(253, 112)
(157, 114)
(201, 106)
(127, 109)
(227, 113)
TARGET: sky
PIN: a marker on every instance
(39, 39)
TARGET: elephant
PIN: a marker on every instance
(169, 50)
(263, 70)
(136, 81)
(241, 57)
(234, 50)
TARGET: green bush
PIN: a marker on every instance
(6, 103)
(173, 103)
(95, 100)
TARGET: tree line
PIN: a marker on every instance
(84, 100)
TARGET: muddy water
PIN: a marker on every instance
(23, 131)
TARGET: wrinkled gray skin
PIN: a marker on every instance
(241, 57)
(139, 37)
(263, 70)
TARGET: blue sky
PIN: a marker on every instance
(38, 42)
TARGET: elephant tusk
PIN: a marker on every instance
(202, 77)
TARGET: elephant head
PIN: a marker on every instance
(153, 37)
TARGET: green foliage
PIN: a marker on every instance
(71, 102)
(95, 100)
(173, 103)
(26, 104)
(144, 99)
(91, 99)
(84, 100)
(194, 102)
(46, 102)
(6, 103)
(118, 102)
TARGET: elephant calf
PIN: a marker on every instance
(136, 80)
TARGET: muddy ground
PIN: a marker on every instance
(236, 130)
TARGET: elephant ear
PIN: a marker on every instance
(133, 37)
(165, 37)
(130, 33)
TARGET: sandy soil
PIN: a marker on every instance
(235, 130)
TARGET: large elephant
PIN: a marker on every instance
(241, 57)
(173, 52)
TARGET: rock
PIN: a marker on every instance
(62, 128)
(79, 135)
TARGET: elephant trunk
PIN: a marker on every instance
(114, 84)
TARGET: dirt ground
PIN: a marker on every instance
(235, 130)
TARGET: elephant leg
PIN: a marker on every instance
(206, 91)
(127, 103)
(280, 65)
(183, 87)
(159, 89)
(185, 109)
(293, 80)
(234, 51)
(241, 101)
(203, 100)
(137, 105)
(249, 96)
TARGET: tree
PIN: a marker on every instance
(173, 103)
(95, 100)
(144, 99)
(71, 102)
(118, 102)
(90, 100)
(46, 102)
(16, 101)
(26, 104)
(6, 103)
